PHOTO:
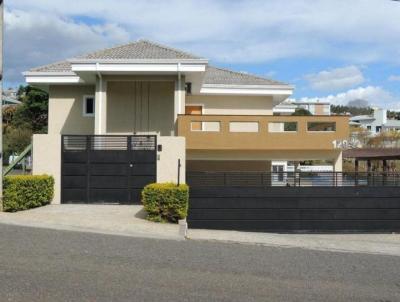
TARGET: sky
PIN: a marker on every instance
(330, 50)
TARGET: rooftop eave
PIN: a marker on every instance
(222, 89)
(138, 61)
(32, 77)
(138, 67)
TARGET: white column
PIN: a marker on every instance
(100, 118)
(338, 163)
(179, 98)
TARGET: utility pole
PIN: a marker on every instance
(1, 111)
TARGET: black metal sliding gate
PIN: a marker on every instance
(272, 202)
(107, 169)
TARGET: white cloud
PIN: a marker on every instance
(394, 78)
(376, 96)
(243, 31)
(251, 31)
(33, 39)
(336, 79)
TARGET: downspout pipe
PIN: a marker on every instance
(100, 97)
(179, 88)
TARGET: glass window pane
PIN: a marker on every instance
(89, 105)
(282, 127)
(321, 126)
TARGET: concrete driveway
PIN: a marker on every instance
(127, 220)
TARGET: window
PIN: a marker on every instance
(378, 129)
(88, 105)
(282, 127)
(243, 126)
(205, 126)
(321, 126)
(188, 88)
(369, 128)
(194, 109)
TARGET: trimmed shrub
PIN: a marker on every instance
(165, 202)
(22, 192)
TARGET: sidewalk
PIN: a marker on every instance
(385, 244)
(130, 221)
(125, 220)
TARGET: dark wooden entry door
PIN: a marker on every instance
(107, 169)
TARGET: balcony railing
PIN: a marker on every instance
(293, 179)
(255, 132)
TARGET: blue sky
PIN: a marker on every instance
(330, 50)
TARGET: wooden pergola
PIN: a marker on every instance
(369, 154)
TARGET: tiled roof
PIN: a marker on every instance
(63, 66)
(142, 49)
(216, 75)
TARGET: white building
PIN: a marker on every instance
(288, 107)
(375, 123)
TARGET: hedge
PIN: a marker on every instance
(165, 202)
(24, 192)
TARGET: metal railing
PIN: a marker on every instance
(293, 179)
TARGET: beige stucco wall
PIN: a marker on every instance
(66, 110)
(47, 159)
(140, 106)
(235, 105)
(173, 149)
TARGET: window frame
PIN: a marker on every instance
(283, 122)
(321, 131)
(84, 112)
(203, 128)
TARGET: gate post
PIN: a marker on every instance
(179, 171)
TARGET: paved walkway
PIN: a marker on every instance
(386, 244)
(123, 220)
(129, 221)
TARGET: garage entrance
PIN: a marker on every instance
(107, 169)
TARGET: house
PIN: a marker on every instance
(375, 123)
(123, 117)
(9, 98)
(288, 107)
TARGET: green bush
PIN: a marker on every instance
(24, 192)
(165, 201)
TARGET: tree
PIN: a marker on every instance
(301, 112)
(33, 111)
(15, 141)
(361, 134)
(340, 109)
(23, 120)
(8, 115)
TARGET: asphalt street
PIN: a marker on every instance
(50, 265)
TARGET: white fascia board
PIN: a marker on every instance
(48, 73)
(69, 79)
(237, 86)
(284, 110)
(245, 91)
(133, 67)
(138, 61)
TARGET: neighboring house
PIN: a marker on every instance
(9, 97)
(288, 107)
(375, 123)
(122, 117)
